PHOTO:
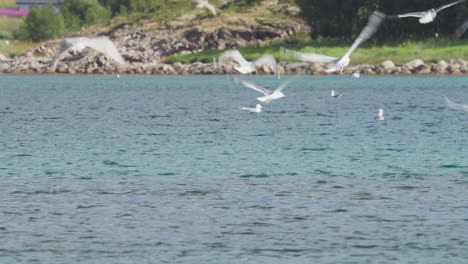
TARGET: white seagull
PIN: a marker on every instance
(207, 5)
(380, 115)
(456, 106)
(257, 109)
(356, 75)
(269, 94)
(461, 29)
(428, 16)
(375, 20)
(335, 94)
(247, 66)
(101, 44)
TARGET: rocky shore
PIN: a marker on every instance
(86, 64)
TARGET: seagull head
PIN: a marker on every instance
(428, 17)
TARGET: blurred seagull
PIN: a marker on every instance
(456, 106)
(461, 29)
(428, 16)
(380, 115)
(375, 20)
(356, 75)
(335, 94)
(257, 109)
(101, 44)
(207, 5)
(247, 66)
(269, 94)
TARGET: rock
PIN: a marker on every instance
(3, 57)
(414, 64)
(458, 61)
(387, 65)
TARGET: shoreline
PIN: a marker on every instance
(102, 66)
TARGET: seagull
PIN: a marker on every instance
(257, 109)
(247, 66)
(269, 94)
(356, 75)
(456, 106)
(380, 115)
(335, 94)
(461, 29)
(101, 44)
(207, 5)
(375, 20)
(426, 17)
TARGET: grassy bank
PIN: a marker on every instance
(8, 25)
(400, 53)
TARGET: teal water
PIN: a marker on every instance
(168, 170)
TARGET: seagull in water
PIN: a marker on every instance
(335, 94)
(101, 44)
(356, 75)
(380, 115)
(269, 94)
(426, 17)
(207, 5)
(375, 20)
(257, 109)
(456, 106)
(247, 66)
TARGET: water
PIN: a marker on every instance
(169, 170)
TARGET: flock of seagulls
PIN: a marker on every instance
(105, 46)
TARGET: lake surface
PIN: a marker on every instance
(146, 169)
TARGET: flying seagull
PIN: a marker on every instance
(269, 95)
(456, 106)
(356, 74)
(461, 29)
(101, 44)
(375, 20)
(428, 16)
(380, 115)
(247, 66)
(207, 5)
(257, 109)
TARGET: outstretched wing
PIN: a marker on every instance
(308, 57)
(253, 86)
(64, 46)
(413, 14)
(375, 20)
(105, 45)
(267, 60)
(456, 106)
(449, 5)
(233, 55)
(461, 29)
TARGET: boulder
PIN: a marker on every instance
(387, 65)
(2, 57)
(414, 64)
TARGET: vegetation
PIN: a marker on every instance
(42, 24)
(400, 53)
(8, 25)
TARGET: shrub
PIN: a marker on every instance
(42, 24)
(80, 13)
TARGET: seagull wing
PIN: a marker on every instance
(64, 46)
(456, 106)
(267, 60)
(233, 55)
(105, 45)
(449, 5)
(461, 29)
(253, 86)
(413, 14)
(375, 20)
(308, 57)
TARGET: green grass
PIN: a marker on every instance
(399, 53)
(15, 47)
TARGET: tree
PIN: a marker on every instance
(42, 24)
(82, 13)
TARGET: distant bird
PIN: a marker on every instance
(257, 109)
(247, 66)
(456, 106)
(461, 29)
(207, 5)
(101, 44)
(269, 94)
(380, 115)
(356, 75)
(428, 16)
(375, 20)
(335, 94)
